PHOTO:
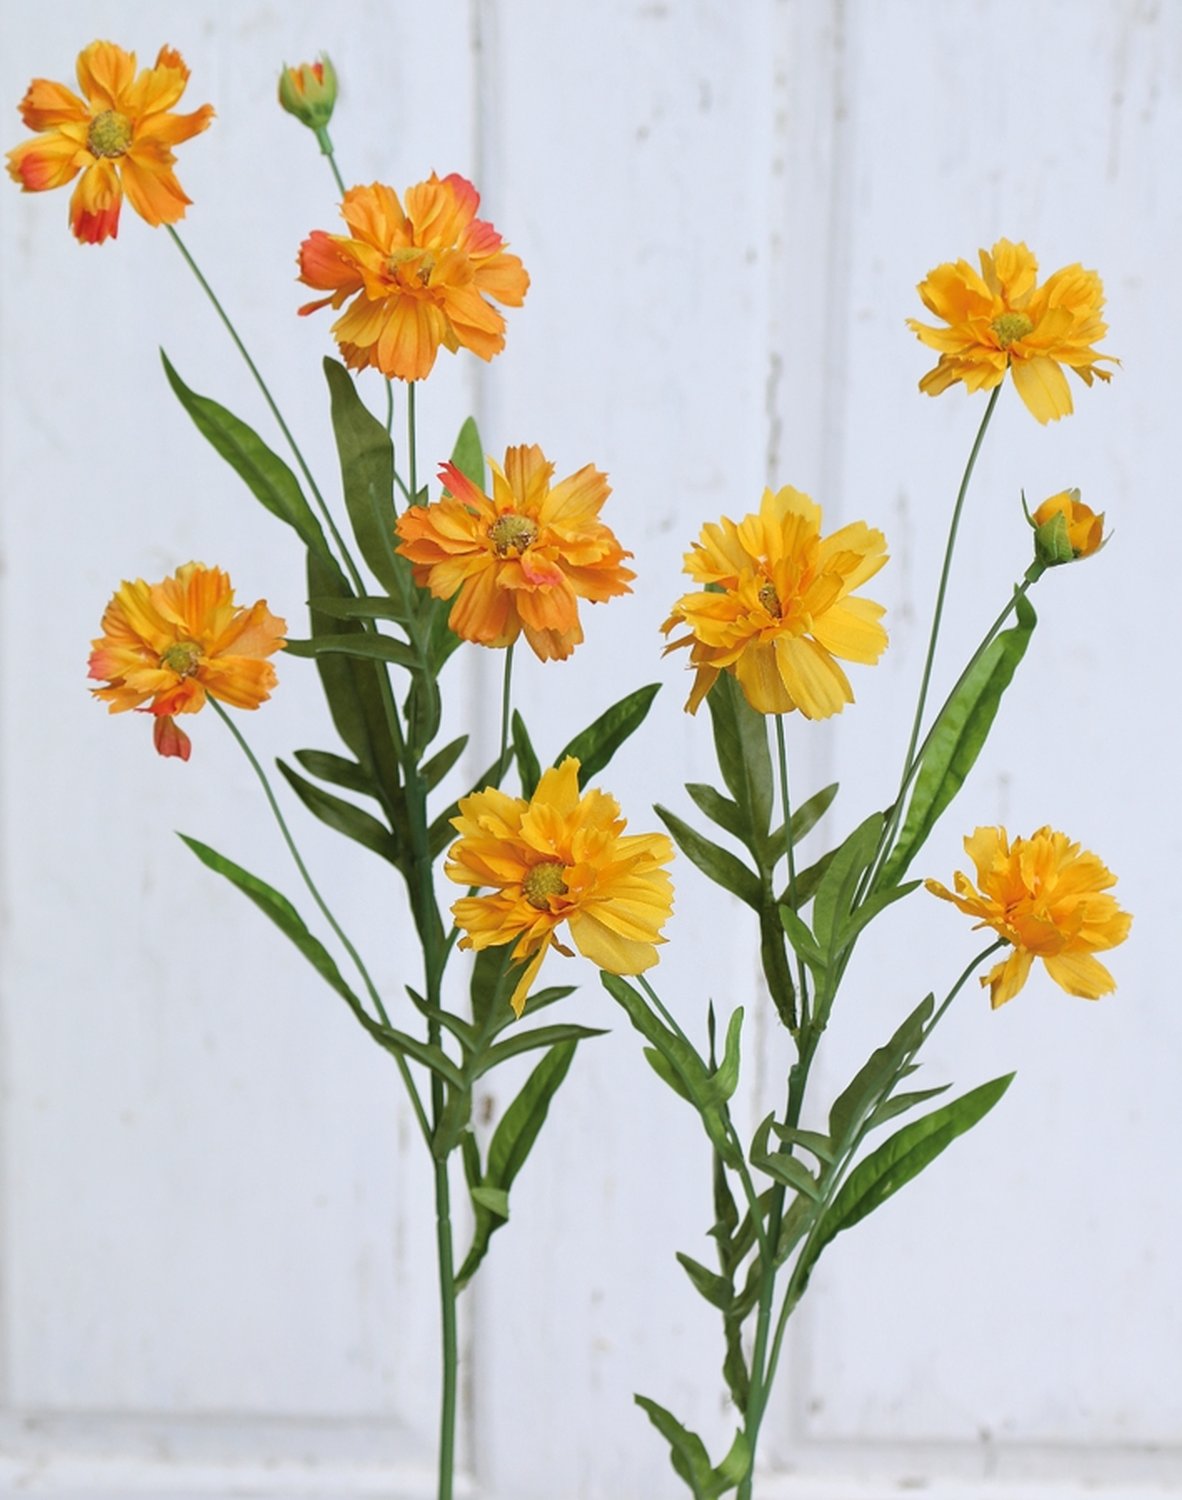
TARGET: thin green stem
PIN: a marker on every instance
(326, 148)
(506, 707)
(447, 1297)
(275, 412)
(411, 442)
(785, 798)
(305, 875)
(389, 406)
(944, 575)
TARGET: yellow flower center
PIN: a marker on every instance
(512, 533)
(1009, 327)
(183, 658)
(109, 134)
(543, 881)
(770, 599)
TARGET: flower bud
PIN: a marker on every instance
(1065, 529)
(309, 92)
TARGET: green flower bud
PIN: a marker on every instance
(309, 92)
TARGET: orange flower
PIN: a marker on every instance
(420, 277)
(1065, 529)
(559, 858)
(1048, 898)
(522, 560)
(118, 138)
(166, 645)
(778, 607)
(1002, 320)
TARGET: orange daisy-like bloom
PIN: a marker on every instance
(118, 136)
(781, 607)
(559, 858)
(1001, 319)
(166, 645)
(520, 560)
(421, 277)
(1047, 897)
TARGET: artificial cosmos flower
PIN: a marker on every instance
(166, 645)
(419, 277)
(560, 857)
(309, 92)
(1065, 529)
(1000, 319)
(118, 136)
(779, 608)
(520, 560)
(1048, 898)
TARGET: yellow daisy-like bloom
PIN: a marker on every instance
(118, 136)
(1065, 529)
(520, 560)
(1047, 897)
(420, 278)
(559, 858)
(781, 609)
(1000, 319)
(166, 645)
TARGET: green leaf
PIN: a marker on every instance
(367, 607)
(809, 1140)
(807, 881)
(686, 1450)
(900, 1103)
(266, 475)
(726, 1075)
(369, 646)
(424, 712)
(809, 813)
(835, 894)
(521, 1040)
(876, 1074)
(367, 480)
(433, 772)
(717, 1290)
(510, 1146)
(718, 809)
(352, 821)
(780, 1166)
(527, 761)
(901, 1158)
(956, 739)
(337, 769)
(802, 939)
(453, 1122)
(594, 747)
(740, 742)
(722, 867)
(468, 453)
(870, 908)
(282, 913)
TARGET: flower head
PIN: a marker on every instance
(1047, 897)
(521, 559)
(1065, 529)
(779, 609)
(559, 858)
(1001, 319)
(420, 277)
(166, 645)
(118, 136)
(309, 92)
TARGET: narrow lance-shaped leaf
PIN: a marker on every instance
(594, 747)
(740, 741)
(367, 480)
(354, 822)
(718, 864)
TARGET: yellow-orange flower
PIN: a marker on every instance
(118, 136)
(166, 645)
(559, 858)
(521, 560)
(1047, 897)
(420, 278)
(1065, 529)
(1001, 319)
(780, 609)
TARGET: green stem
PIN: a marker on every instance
(411, 444)
(944, 575)
(275, 412)
(305, 875)
(506, 704)
(447, 1297)
(326, 147)
(782, 749)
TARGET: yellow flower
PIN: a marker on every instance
(779, 609)
(166, 645)
(522, 560)
(118, 137)
(559, 858)
(1003, 320)
(419, 278)
(1045, 896)
(1065, 529)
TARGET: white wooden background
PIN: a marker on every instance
(217, 1270)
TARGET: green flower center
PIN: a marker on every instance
(770, 599)
(109, 134)
(183, 658)
(542, 882)
(512, 533)
(1009, 327)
